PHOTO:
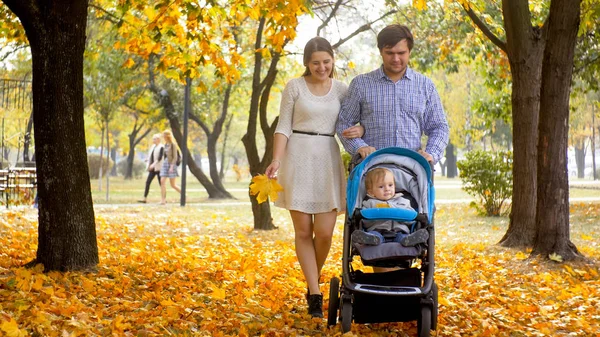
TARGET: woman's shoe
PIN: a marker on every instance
(315, 305)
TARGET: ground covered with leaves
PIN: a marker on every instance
(205, 272)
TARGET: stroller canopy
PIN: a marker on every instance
(412, 173)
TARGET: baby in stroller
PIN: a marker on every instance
(381, 193)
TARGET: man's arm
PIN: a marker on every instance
(350, 116)
(435, 126)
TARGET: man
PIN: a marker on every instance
(395, 104)
(155, 158)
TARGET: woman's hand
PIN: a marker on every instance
(356, 131)
(272, 168)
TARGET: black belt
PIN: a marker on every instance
(313, 133)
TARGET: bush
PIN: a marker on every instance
(139, 167)
(94, 165)
(488, 176)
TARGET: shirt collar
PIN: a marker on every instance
(409, 74)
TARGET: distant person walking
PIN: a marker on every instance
(169, 166)
(154, 164)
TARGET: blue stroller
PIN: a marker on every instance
(408, 293)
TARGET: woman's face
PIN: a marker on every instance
(167, 137)
(320, 65)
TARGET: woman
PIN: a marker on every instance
(169, 166)
(309, 162)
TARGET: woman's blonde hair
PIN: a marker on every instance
(169, 139)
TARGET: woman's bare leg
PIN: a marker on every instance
(323, 228)
(163, 190)
(175, 187)
(305, 249)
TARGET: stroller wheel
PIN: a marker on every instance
(346, 316)
(424, 322)
(334, 301)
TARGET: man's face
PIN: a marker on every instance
(395, 59)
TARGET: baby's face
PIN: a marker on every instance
(384, 189)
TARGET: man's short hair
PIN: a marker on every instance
(392, 34)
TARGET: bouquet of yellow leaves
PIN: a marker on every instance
(264, 188)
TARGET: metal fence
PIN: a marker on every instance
(15, 94)
(18, 186)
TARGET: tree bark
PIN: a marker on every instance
(27, 140)
(162, 96)
(56, 32)
(451, 169)
(258, 112)
(552, 222)
(525, 45)
(580, 158)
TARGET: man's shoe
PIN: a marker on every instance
(364, 238)
(142, 201)
(315, 305)
(413, 239)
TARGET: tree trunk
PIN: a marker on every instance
(113, 156)
(451, 169)
(525, 46)
(27, 140)
(164, 99)
(580, 158)
(66, 231)
(258, 110)
(130, 157)
(552, 222)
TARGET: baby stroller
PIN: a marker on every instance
(402, 295)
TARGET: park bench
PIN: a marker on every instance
(18, 185)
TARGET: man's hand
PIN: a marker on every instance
(356, 131)
(365, 151)
(426, 155)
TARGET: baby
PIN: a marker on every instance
(381, 192)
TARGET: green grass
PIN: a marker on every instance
(123, 191)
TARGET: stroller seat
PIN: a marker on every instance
(387, 253)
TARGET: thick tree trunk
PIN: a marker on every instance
(552, 222)
(56, 33)
(525, 46)
(451, 169)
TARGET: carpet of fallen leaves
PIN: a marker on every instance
(204, 272)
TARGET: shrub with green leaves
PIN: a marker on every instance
(488, 177)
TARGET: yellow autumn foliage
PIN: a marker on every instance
(204, 271)
(264, 188)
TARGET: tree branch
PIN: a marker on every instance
(361, 29)
(485, 30)
(331, 15)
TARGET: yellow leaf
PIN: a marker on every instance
(555, 257)
(351, 65)
(218, 293)
(11, 328)
(264, 188)
(128, 63)
(420, 4)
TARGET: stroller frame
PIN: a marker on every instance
(414, 288)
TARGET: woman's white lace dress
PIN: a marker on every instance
(311, 172)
